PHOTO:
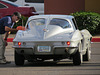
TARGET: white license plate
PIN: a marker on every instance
(44, 48)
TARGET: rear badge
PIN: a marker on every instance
(45, 30)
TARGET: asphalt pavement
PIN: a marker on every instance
(63, 67)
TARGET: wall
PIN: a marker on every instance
(92, 5)
(63, 6)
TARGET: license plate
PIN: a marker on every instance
(44, 48)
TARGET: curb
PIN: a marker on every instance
(9, 39)
(93, 40)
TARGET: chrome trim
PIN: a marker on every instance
(23, 47)
(65, 47)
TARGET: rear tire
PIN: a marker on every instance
(78, 57)
(87, 56)
(19, 59)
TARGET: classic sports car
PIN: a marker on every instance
(52, 37)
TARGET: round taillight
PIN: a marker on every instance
(19, 43)
(68, 43)
(24, 43)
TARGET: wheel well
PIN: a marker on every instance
(82, 43)
(90, 38)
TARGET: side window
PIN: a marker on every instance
(60, 22)
(34, 1)
(12, 0)
(2, 6)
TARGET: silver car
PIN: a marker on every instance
(52, 37)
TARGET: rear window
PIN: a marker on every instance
(12, 0)
(11, 3)
(2, 6)
(34, 1)
(36, 22)
(60, 22)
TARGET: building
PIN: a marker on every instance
(92, 5)
(70, 6)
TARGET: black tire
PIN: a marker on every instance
(86, 56)
(19, 59)
(77, 58)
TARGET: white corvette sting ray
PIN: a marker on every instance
(52, 37)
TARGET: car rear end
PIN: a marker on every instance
(45, 49)
(27, 11)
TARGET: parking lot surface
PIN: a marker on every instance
(63, 67)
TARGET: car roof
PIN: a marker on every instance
(51, 16)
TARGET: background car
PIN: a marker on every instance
(8, 8)
(52, 37)
(37, 4)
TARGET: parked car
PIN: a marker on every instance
(37, 4)
(52, 37)
(8, 8)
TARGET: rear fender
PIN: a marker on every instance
(77, 36)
